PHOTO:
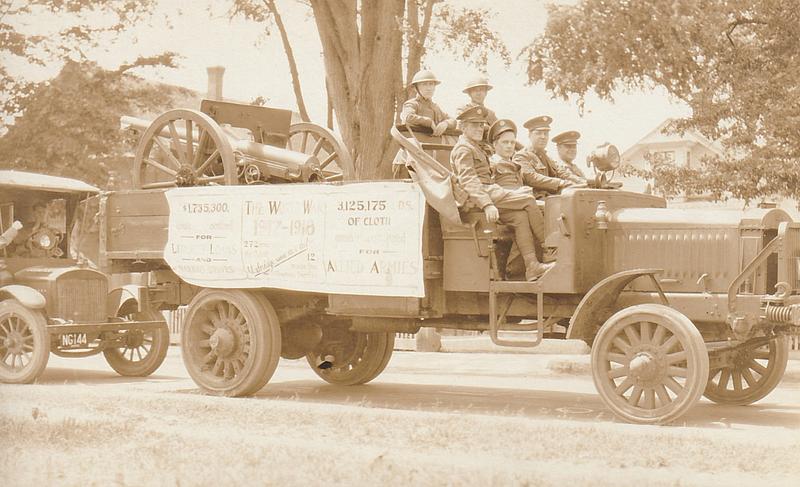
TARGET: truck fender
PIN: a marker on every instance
(27, 296)
(599, 303)
(128, 296)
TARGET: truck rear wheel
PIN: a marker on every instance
(230, 341)
(753, 375)
(649, 364)
(24, 343)
(144, 351)
(349, 358)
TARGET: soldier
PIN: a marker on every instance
(534, 158)
(474, 175)
(477, 89)
(421, 111)
(567, 146)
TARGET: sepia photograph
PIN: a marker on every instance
(399, 242)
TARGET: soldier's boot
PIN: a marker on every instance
(533, 268)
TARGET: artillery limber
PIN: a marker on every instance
(675, 304)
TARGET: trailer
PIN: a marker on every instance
(675, 304)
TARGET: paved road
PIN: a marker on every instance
(493, 384)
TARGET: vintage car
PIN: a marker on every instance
(52, 299)
(675, 304)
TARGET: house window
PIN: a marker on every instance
(661, 157)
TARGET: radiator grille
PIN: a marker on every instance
(684, 255)
(82, 300)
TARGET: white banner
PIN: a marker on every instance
(358, 238)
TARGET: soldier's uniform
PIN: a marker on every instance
(474, 174)
(538, 170)
(570, 139)
(421, 112)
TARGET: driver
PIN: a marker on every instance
(26, 243)
(567, 146)
(534, 158)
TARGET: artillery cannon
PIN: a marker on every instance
(231, 143)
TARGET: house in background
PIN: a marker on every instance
(687, 149)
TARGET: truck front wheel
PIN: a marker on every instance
(143, 351)
(649, 364)
(24, 343)
(349, 358)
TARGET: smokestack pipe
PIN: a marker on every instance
(215, 74)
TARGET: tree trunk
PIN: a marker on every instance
(287, 47)
(363, 67)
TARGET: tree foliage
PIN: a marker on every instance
(75, 26)
(736, 63)
(70, 126)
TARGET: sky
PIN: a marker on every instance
(255, 64)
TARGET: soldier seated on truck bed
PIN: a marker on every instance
(514, 207)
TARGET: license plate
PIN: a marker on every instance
(73, 340)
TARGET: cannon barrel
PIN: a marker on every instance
(275, 161)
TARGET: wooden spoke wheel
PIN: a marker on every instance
(351, 358)
(334, 158)
(143, 351)
(754, 374)
(649, 364)
(230, 341)
(183, 148)
(24, 343)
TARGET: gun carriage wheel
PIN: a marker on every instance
(142, 352)
(230, 341)
(751, 375)
(349, 358)
(334, 158)
(649, 364)
(24, 343)
(183, 148)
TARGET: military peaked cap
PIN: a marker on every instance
(473, 114)
(501, 126)
(538, 123)
(569, 137)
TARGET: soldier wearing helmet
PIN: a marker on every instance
(421, 111)
(534, 159)
(514, 207)
(477, 89)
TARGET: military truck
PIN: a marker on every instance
(52, 299)
(675, 304)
